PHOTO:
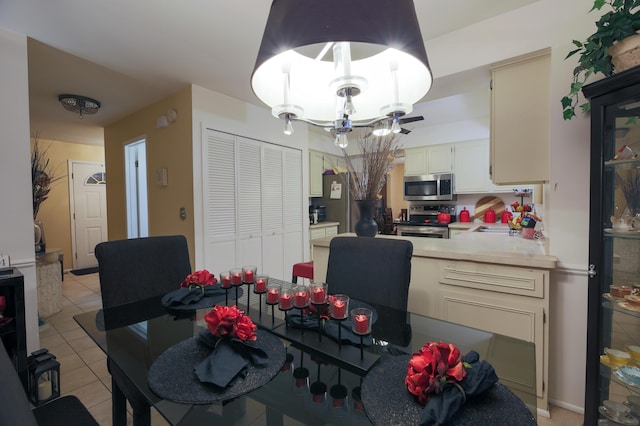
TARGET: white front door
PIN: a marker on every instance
(89, 214)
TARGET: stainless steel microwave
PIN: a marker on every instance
(429, 188)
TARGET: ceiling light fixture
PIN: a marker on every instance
(79, 104)
(378, 68)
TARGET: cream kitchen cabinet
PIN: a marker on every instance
(508, 300)
(520, 120)
(428, 160)
(471, 169)
(316, 168)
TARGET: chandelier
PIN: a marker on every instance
(342, 64)
(79, 104)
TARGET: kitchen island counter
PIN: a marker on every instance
(476, 247)
(490, 281)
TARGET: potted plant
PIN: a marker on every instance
(614, 26)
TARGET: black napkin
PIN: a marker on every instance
(229, 359)
(443, 406)
(187, 296)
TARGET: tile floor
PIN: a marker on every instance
(83, 365)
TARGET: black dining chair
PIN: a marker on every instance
(378, 271)
(375, 270)
(132, 270)
(16, 410)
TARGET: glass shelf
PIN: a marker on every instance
(608, 373)
(609, 304)
(616, 163)
(631, 235)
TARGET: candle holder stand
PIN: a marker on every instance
(248, 295)
(320, 324)
(300, 309)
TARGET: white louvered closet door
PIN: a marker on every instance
(249, 203)
(272, 210)
(293, 211)
(219, 201)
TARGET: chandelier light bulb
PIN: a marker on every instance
(288, 127)
(395, 127)
(342, 141)
(349, 109)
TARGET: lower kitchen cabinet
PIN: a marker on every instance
(512, 301)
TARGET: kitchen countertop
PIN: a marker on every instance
(323, 225)
(478, 247)
(461, 225)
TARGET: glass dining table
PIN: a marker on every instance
(318, 381)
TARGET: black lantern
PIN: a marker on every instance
(44, 377)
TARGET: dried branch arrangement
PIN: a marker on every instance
(631, 190)
(369, 168)
(42, 175)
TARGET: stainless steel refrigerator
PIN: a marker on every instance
(341, 209)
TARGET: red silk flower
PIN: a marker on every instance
(436, 364)
(230, 321)
(199, 278)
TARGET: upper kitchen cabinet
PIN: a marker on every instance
(520, 120)
(471, 169)
(428, 160)
(316, 168)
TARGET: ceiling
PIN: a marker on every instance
(128, 54)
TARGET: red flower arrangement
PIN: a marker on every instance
(435, 365)
(230, 321)
(199, 279)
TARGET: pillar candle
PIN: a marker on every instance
(317, 295)
(301, 299)
(272, 296)
(225, 282)
(261, 285)
(339, 309)
(248, 276)
(361, 324)
(285, 301)
(236, 279)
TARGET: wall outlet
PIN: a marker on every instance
(5, 260)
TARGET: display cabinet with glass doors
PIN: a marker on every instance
(613, 326)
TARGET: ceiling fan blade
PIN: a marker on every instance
(410, 119)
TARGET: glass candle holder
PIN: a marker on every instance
(236, 277)
(286, 299)
(262, 281)
(361, 321)
(225, 279)
(339, 306)
(273, 294)
(300, 296)
(249, 274)
(318, 293)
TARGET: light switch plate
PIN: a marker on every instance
(5, 260)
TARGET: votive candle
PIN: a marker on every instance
(261, 284)
(301, 297)
(249, 274)
(225, 279)
(339, 306)
(286, 302)
(273, 294)
(236, 277)
(318, 293)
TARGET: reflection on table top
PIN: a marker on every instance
(134, 335)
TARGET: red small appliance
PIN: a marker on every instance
(465, 216)
(490, 216)
(506, 216)
(444, 218)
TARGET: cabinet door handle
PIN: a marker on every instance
(592, 271)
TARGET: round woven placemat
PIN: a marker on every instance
(171, 375)
(387, 401)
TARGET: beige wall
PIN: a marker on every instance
(55, 211)
(169, 148)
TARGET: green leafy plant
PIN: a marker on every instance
(622, 21)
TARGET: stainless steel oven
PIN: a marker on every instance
(423, 231)
(423, 221)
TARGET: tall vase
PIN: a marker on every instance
(366, 226)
